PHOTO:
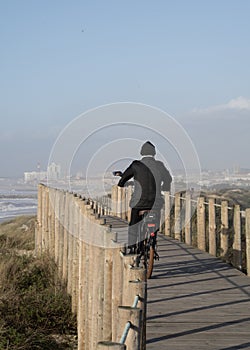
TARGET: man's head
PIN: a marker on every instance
(148, 149)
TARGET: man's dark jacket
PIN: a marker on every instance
(150, 178)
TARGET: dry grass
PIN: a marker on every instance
(18, 233)
(35, 309)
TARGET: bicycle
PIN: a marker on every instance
(146, 246)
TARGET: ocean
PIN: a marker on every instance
(18, 198)
(16, 201)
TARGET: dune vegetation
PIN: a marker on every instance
(35, 309)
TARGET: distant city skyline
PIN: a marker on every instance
(60, 59)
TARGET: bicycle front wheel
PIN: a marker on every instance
(150, 262)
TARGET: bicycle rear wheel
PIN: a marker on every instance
(150, 262)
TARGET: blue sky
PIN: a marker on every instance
(60, 58)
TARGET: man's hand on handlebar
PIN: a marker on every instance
(117, 173)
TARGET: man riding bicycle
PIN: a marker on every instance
(150, 178)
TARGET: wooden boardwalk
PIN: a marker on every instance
(196, 301)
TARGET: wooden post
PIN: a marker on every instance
(38, 236)
(52, 209)
(117, 289)
(139, 286)
(49, 235)
(88, 278)
(83, 291)
(127, 292)
(65, 237)
(108, 345)
(114, 199)
(45, 236)
(211, 226)
(95, 285)
(56, 205)
(119, 201)
(224, 228)
(177, 215)
(248, 241)
(60, 219)
(90, 281)
(134, 316)
(43, 221)
(75, 252)
(188, 235)
(78, 231)
(97, 295)
(123, 204)
(70, 247)
(237, 257)
(201, 231)
(108, 266)
(167, 213)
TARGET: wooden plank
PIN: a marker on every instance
(196, 301)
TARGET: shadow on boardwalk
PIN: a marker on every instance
(196, 301)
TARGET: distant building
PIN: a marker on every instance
(54, 171)
(34, 176)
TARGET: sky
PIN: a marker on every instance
(61, 58)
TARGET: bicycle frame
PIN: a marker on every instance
(147, 240)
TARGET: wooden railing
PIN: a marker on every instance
(100, 279)
(208, 223)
